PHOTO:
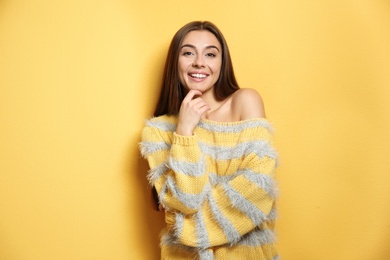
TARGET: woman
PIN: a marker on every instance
(209, 148)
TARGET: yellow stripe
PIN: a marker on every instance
(253, 193)
(230, 167)
(174, 252)
(197, 183)
(188, 154)
(230, 139)
(157, 158)
(188, 235)
(222, 167)
(150, 134)
(265, 165)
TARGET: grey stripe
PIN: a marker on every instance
(235, 128)
(272, 215)
(147, 148)
(192, 201)
(206, 254)
(218, 179)
(231, 233)
(179, 223)
(167, 239)
(156, 172)
(261, 148)
(244, 205)
(264, 181)
(203, 238)
(162, 125)
(163, 192)
(194, 169)
(257, 238)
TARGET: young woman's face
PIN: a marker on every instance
(200, 60)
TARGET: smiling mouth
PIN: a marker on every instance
(197, 75)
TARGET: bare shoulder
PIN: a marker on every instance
(248, 104)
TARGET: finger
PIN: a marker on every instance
(197, 101)
(191, 94)
(204, 109)
(201, 106)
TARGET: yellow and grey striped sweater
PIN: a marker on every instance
(217, 188)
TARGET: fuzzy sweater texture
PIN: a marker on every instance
(217, 187)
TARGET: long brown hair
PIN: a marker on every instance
(172, 92)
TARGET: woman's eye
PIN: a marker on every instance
(211, 55)
(187, 53)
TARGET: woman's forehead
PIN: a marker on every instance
(201, 38)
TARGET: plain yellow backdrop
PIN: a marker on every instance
(78, 79)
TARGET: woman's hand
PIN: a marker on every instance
(191, 110)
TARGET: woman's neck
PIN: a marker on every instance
(219, 110)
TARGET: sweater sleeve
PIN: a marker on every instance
(177, 169)
(233, 208)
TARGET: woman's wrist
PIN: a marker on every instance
(184, 131)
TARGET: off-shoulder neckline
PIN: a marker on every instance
(213, 122)
(173, 119)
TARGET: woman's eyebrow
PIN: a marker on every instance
(193, 47)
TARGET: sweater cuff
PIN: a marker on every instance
(184, 140)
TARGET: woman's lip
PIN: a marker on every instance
(197, 75)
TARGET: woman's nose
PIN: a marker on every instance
(199, 61)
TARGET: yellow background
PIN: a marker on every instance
(78, 79)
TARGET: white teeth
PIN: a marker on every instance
(200, 76)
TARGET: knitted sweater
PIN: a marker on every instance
(217, 188)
